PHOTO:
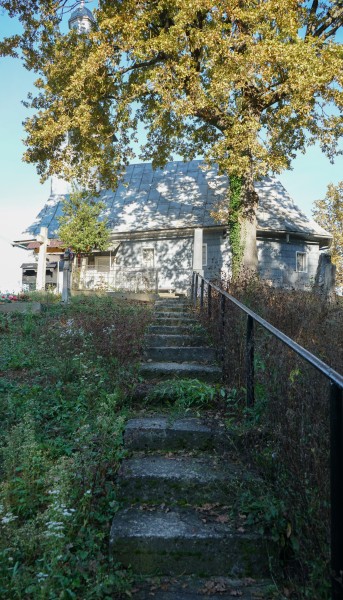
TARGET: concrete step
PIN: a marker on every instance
(162, 433)
(177, 330)
(168, 370)
(172, 314)
(174, 340)
(178, 542)
(172, 302)
(214, 588)
(175, 320)
(200, 354)
(181, 479)
(180, 308)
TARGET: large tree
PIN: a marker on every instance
(244, 83)
(329, 214)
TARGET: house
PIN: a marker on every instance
(162, 227)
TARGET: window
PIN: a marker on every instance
(301, 263)
(103, 263)
(148, 257)
(204, 255)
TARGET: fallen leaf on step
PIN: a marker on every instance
(222, 519)
(214, 586)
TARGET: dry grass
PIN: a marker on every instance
(288, 430)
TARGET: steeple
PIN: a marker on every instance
(81, 19)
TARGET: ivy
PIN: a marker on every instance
(234, 223)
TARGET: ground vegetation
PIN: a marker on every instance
(66, 379)
(286, 433)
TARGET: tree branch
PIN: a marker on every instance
(161, 56)
(333, 20)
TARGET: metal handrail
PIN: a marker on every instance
(336, 411)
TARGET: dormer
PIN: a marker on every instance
(81, 19)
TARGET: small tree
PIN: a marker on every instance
(329, 214)
(80, 227)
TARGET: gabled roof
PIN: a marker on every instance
(182, 195)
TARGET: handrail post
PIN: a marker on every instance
(195, 297)
(249, 359)
(202, 293)
(209, 300)
(222, 325)
(336, 483)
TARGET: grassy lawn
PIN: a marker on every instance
(66, 377)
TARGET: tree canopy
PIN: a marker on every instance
(246, 83)
(80, 227)
(329, 214)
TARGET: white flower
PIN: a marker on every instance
(67, 512)
(54, 534)
(8, 518)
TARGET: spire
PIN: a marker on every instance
(81, 19)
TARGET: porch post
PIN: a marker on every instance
(83, 273)
(197, 251)
(41, 268)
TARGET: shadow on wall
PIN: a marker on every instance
(277, 265)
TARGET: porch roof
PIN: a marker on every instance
(182, 195)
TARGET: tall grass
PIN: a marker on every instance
(287, 432)
(64, 394)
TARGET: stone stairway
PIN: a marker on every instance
(175, 345)
(179, 488)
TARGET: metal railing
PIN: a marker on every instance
(199, 284)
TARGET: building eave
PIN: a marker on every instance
(322, 240)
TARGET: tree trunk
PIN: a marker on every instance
(249, 226)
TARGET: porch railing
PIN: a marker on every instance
(115, 278)
(202, 292)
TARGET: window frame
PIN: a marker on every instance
(102, 268)
(144, 264)
(304, 255)
(204, 251)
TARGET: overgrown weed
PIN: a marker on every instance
(64, 396)
(287, 431)
(183, 396)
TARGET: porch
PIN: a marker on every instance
(133, 279)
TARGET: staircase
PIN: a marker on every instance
(175, 345)
(180, 486)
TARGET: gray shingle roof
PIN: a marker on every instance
(178, 196)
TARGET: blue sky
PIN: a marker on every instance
(22, 195)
